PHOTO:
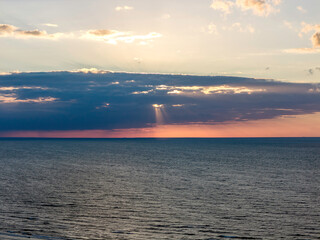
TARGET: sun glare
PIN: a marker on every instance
(157, 105)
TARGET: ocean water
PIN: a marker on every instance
(160, 189)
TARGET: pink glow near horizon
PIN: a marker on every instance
(288, 126)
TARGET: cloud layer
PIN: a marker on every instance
(7, 30)
(105, 35)
(91, 99)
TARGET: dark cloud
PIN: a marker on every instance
(106, 100)
(35, 33)
(316, 39)
(311, 71)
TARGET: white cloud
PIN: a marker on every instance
(9, 73)
(50, 25)
(88, 70)
(212, 29)
(114, 37)
(306, 28)
(222, 5)
(108, 36)
(12, 98)
(143, 92)
(123, 8)
(259, 7)
(207, 90)
(302, 50)
(22, 87)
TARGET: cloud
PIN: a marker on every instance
(88, 70)
(316, 40)
(222, 5)
(207, 90)
(114, 36)
(9, 73)
(6, 29)
(20, 87)
(258, 7)
(302, 50)
(102, 32)
(13, 31)
(50, 25)
(90, 99)
(212, 29)
(123, 8)
(306, 28)
(301, 9)
(32, 33)
(11, 98)
(311, 71)
(106, 35)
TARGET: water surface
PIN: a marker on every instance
(160, 189)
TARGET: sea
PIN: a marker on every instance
(204, 189)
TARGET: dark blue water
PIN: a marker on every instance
(160, 189)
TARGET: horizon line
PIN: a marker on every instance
(88, 138)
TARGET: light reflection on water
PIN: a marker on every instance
(160, 189)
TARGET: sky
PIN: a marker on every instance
(138, 68)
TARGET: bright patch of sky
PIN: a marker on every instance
(253, 38)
